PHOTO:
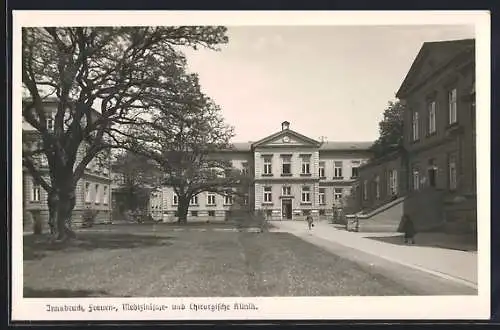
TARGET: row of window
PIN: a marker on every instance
(100, 195)
(210, 213)
(211, 200)
(305, 194)
(392, 185)
(41, 160)
(432, 108)
(94, 190)
(416, 179)
(286, 167)
(433, 174)
(269, 213)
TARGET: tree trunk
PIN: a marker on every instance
(66, 204)
(182, 210)
(52, 202)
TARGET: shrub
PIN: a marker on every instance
(37, 222)
(88, 218)
(27, 219)
(339, 217)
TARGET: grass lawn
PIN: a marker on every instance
(166, 263)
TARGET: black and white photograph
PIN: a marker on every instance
(231, 165)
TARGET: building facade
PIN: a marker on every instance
(92, 190)
(382, 180)
(293, 176)
(437, 163)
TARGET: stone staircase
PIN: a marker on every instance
(385, 218)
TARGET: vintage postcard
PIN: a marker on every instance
(250, 165)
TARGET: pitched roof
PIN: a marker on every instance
(448, 50)
(241, 146)
(330, 145)
(284, 131)
(346, 145)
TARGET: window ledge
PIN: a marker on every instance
(338, 178)
(268, 203)
(305, 174)
(286, 174)
(264, 174)
(211, 205)
(305, 203)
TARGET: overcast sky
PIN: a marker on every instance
(332, 81)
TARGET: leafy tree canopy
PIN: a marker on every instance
(390, 130)
(99, 79)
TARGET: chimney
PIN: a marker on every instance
(285, 125)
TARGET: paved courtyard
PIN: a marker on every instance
(453, 265)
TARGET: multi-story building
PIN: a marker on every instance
(382, 180)
(92, 191)
(293, 176)
(436, 168)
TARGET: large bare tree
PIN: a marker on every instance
(102, 78)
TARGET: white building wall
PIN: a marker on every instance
(255, 161)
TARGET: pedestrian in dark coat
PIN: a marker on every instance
(310, 223)
(408, 229)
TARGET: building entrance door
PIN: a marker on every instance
(286, 209)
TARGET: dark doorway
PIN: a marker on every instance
(432, 177)
(286, 209)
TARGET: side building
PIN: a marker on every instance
(92, 191)
(435, 170)
(293, 176)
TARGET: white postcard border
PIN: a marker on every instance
(303, 308)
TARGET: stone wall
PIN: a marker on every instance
(425, 208)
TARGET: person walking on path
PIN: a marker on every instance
(309, 220)
(408, 229)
